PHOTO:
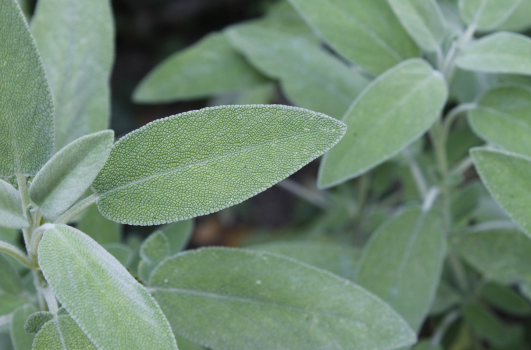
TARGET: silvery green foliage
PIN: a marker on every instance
(487, 14)
(62, 333)
(20, 338)
(11, 211)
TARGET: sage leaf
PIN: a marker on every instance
(379, 128)
(20, 338)
(487, 14)
(26, 112)
(62, 333)
(519, 20)
(503, 118)
(11, 211)
(101, 229)
(9, 235)
(178, 234)
(8, 303)
(36, 320)
(506, 299)
(202, 161)
(154, 249)
(445, 298)
(121, 252)
(414, 248)
(310, 77)
(208, 67)
(9, 279)
(76, 41)
(423, 20)
(97, 289)
(500, 52)
(291, 305)
(365, 32)
(70, 172)
(185, 344)
(426, 345)
(506, 176)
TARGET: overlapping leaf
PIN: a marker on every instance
(487, 14)
(20, 338)
(11, 211)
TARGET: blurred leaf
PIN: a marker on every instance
(8, 304)
(20, 338)
(506, 299)
(291, 305)
(62, 333)
(465, 200)
(519, 19)
(445, 298)
(178, 234)
(102, 230)
(9, 235)
(9, 278)
(468, 86)
(487, 14)
(121, 252)
(185, 344)
(11, 211)
(426, 345)
(154, 249)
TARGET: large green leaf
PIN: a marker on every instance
(503, 117)
(498, 53)
(208, 67)
(395, 110)
(506, 299)
(402, 263)
(101, 229)
(423, 20)
(11, 211)
(487, 14)
(202, 161)
(26, 110)
(519, 19)
(95, 288)
(76, 41)
(506, 176)
(9, 279)
(21, 340)
(310, 76)
(238, 300)
(62, 333)
(366, 32)
(70, 172)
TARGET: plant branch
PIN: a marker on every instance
(417, 174)
(443, 328)
(297, 189)
(78, 208)
(17, 254)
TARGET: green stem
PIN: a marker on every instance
(363, 191)
(77, 209)
(443, 328)
(417, 174)
(17, 254)
(313, 197)
(452, 116)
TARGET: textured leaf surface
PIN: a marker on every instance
(506, 176)
(70, 172)
(202, 161)
(76, 41)
(366, 32)
(36, 320)
(178, 234)
(338, 259)
(94, 288)
(498, 53)
(9, 278)
(310, 76)
(208, 67)
(487, 14)
(62, 333)
(503, 118)
(20, 338)
(422, 19)
(11, 211)
(394, 110)
(26, 112)
(101, 229)
(402, 263)
(264, 301)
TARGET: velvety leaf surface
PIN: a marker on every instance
(391, 113)
(503, 118)
(310, 76)
(237, 299)
(366, 32)
(70, 172)
(76, 41)
(20, 338)
(101, 229)
(402, 263)
(206, 68)
(178, 234)
(26, 109)
(9, 278)
(94, 288)
(487, 14)
(506, 176)
(36, 320)
(11, 211)
(62, 333)
(202, 161)
(498, 53)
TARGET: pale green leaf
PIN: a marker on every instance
(506, 299)
(519, 19)
(336, 258)
(9, 235)
(97, 289)
(239, 300)
(498, 53)
(76, 41)
(422, 19)
(11, 211)
(70, 172)
(8, 303)
(402, 263)
(185, 344)
(9, 279)
(282, 16)
(26, 112)
(366, 32)
(102, 230)
(506, 176)
(178, 234)
(20, 338)
(503, 118)
(426, 345)
(5, 340)
(310, 76)
(487, 14)
(62, 333)
(154, 249)
(121, 252)
(36, 320)
(395, 110)
(203, 161)
(208, 67)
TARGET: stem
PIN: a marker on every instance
(297, 189)
(17, 254)
(51, 301)
(78, 208)
(23, 189)
(443, 328)
(35, 240)
(459, 273)
(452, 115)
(463, 166)
(363, 191)
(416, 172)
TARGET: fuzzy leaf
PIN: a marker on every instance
(11, 211)
(178, 234)
(154, 249)
(487, 14)
(102, 230)
(26, 109)
(62, 333)
(395, 110)
(121, 252)
(9, 279)
(519, 19)
(310, 76)
(20, 338)
(366, 32)
(291, 305)
(37, 320)
(99, 288)
(200, 162)
(70, 172)
(76, 41)
(8, 303)
(500, 52)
